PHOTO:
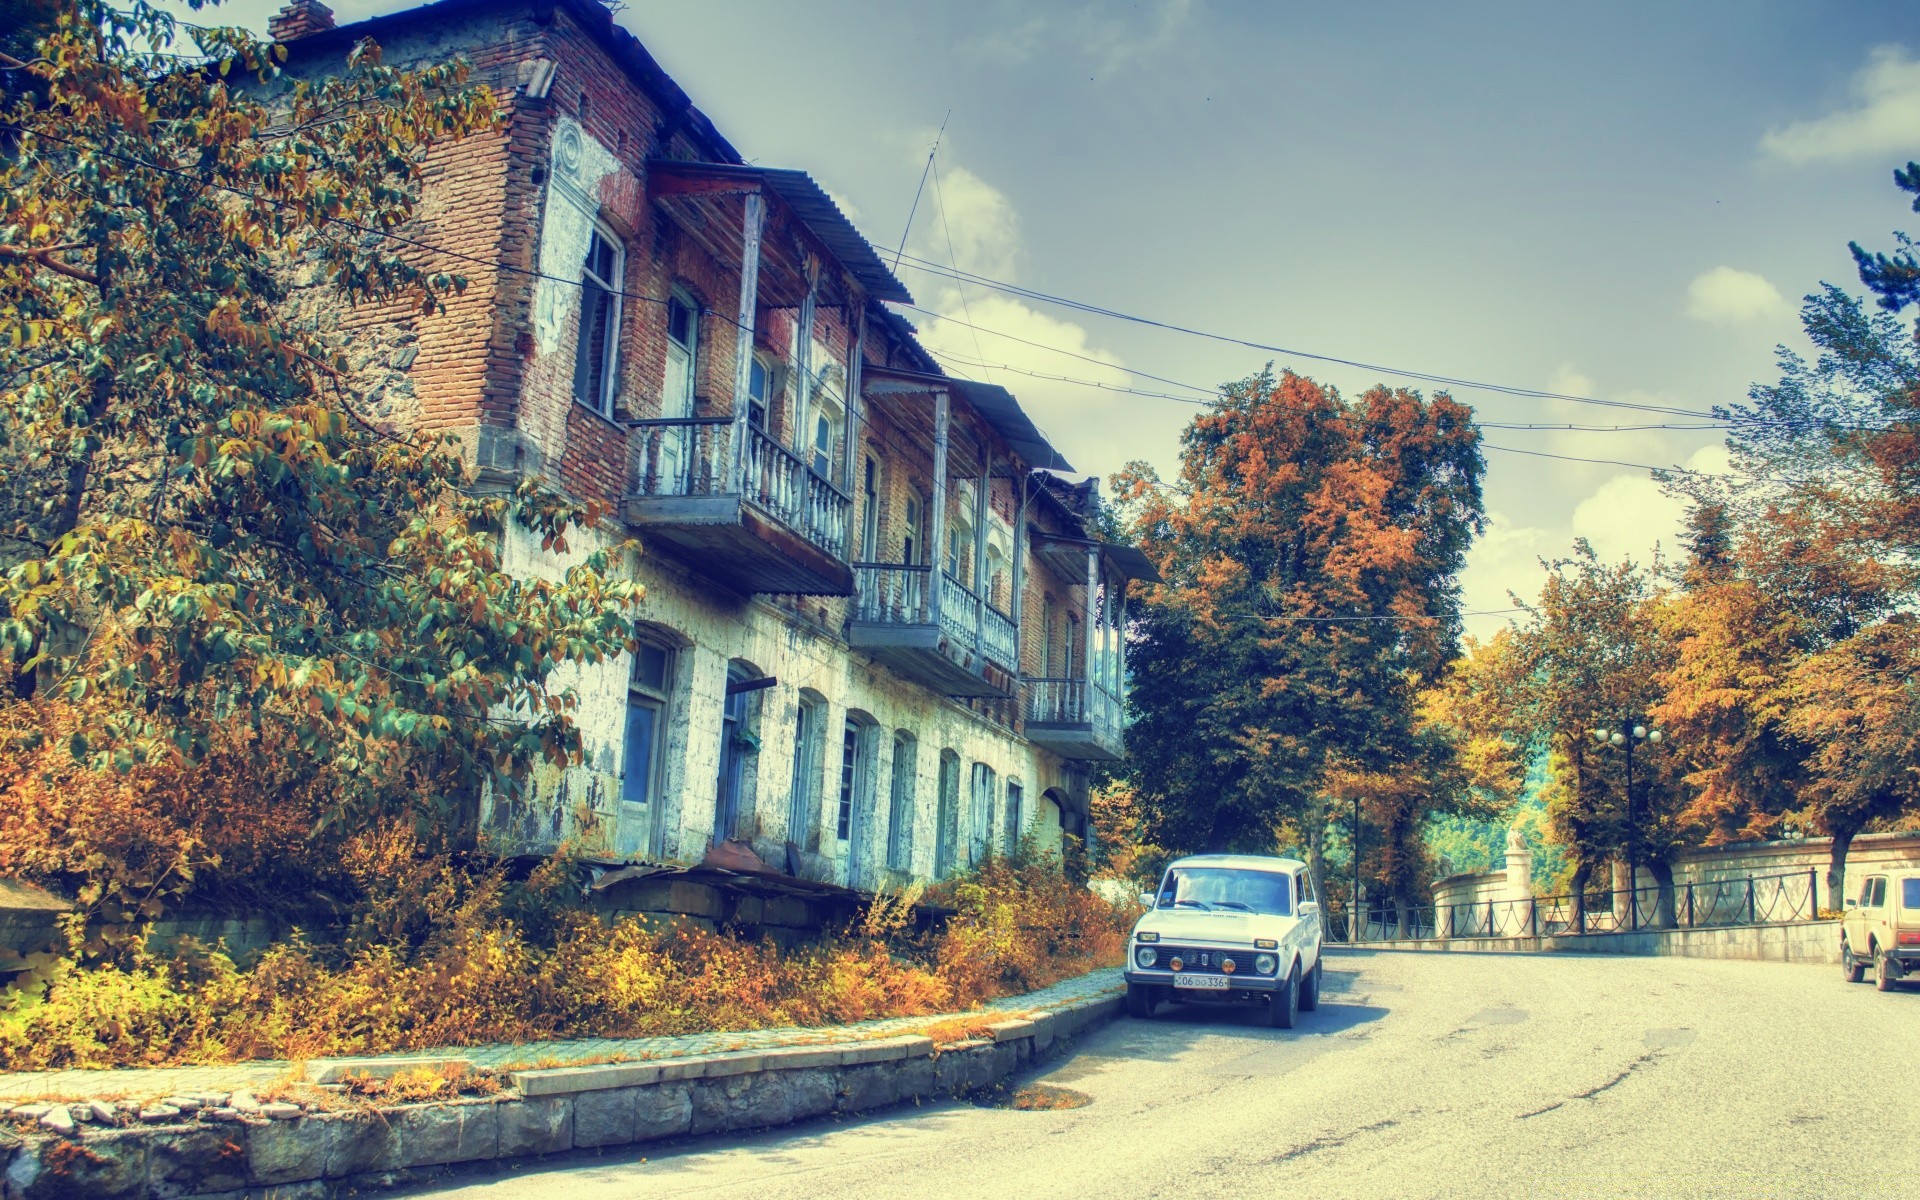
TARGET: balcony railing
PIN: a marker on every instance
(692, 456)
(1072, 702)
(897, 595)
(965, 616)
(1075, 717)
(891, 595)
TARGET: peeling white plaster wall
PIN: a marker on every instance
(715, 630)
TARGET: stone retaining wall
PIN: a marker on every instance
(550, 1111)
(1806, 941)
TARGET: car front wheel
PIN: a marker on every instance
(1284, 1008)
(1310, 989)
(1140, 1001)
(1850, 967)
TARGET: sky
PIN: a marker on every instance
(1623, 202)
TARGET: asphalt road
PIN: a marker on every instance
(1421, 1075)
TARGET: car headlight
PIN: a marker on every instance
(1146, 956)
(1264, 964)
(1146, 935)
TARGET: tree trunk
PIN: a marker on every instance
(1663, 905)
(1837, 866)
(1401, 908)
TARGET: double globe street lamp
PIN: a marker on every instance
(1624, 738)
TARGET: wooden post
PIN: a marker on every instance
(751, 223)
(850, 458)
(981, 512)
(803, 366)
(1093, 587)
(937, 521)
(1120, 646)
(1019, 573)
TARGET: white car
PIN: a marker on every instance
(1228, 928)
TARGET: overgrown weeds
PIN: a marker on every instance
(456, 956)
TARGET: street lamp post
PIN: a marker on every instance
(1624, 738)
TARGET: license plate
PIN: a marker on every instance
(1201, 983)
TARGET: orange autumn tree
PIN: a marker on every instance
(1310, 547)
(210, 543)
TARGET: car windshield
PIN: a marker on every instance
(1227, 889)
(1910, 894)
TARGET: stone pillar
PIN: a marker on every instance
(1519, 884)
(1622, 893)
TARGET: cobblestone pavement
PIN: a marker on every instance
(136, 1083)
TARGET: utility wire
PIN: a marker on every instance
(1424, 376)
(510, 268)
(923, 187)
(966, 305)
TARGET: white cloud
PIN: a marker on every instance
(1727, 296)
(1108, 36)
(1626, 516)
(989, 335)
(1884, 120)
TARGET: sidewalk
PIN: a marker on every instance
(146, 1082)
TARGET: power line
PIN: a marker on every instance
(966, 305)
(1424, 376)
(662, 300)
(935, 149)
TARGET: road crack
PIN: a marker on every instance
(1593, 1092)
(1330, 1142)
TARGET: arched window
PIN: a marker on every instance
(595, 366)
(739, 743)
(946, 818)
(870, 511)
(652, 710)
(906, 767)
(855, 823)
(960, 550)
(980, 813)
(995, 586)
(803, 804)
(1015, 814)
(913, 543)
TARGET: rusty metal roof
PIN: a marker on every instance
(812, 206)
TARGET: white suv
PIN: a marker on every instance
(1882, 927)
(1228, 928)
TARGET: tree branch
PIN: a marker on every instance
(44, 257)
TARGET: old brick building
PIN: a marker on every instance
(878, 638)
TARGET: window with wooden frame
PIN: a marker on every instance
(596, 374)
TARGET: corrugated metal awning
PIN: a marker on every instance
(811, 205)
(995, 405)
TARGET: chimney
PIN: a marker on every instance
(300, 18)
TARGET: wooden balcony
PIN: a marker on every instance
(766, 523)
(1075, 719)
(953, 642)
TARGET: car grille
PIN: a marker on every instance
(1197, 960)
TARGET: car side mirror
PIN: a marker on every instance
(1146, 898)
(1309, 908)
(1852, 904)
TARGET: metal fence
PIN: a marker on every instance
(1750, 900)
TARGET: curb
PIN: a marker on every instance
(550, 1111)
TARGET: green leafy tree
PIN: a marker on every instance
(1310, 547)
(1590, 653)
(204, 525)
